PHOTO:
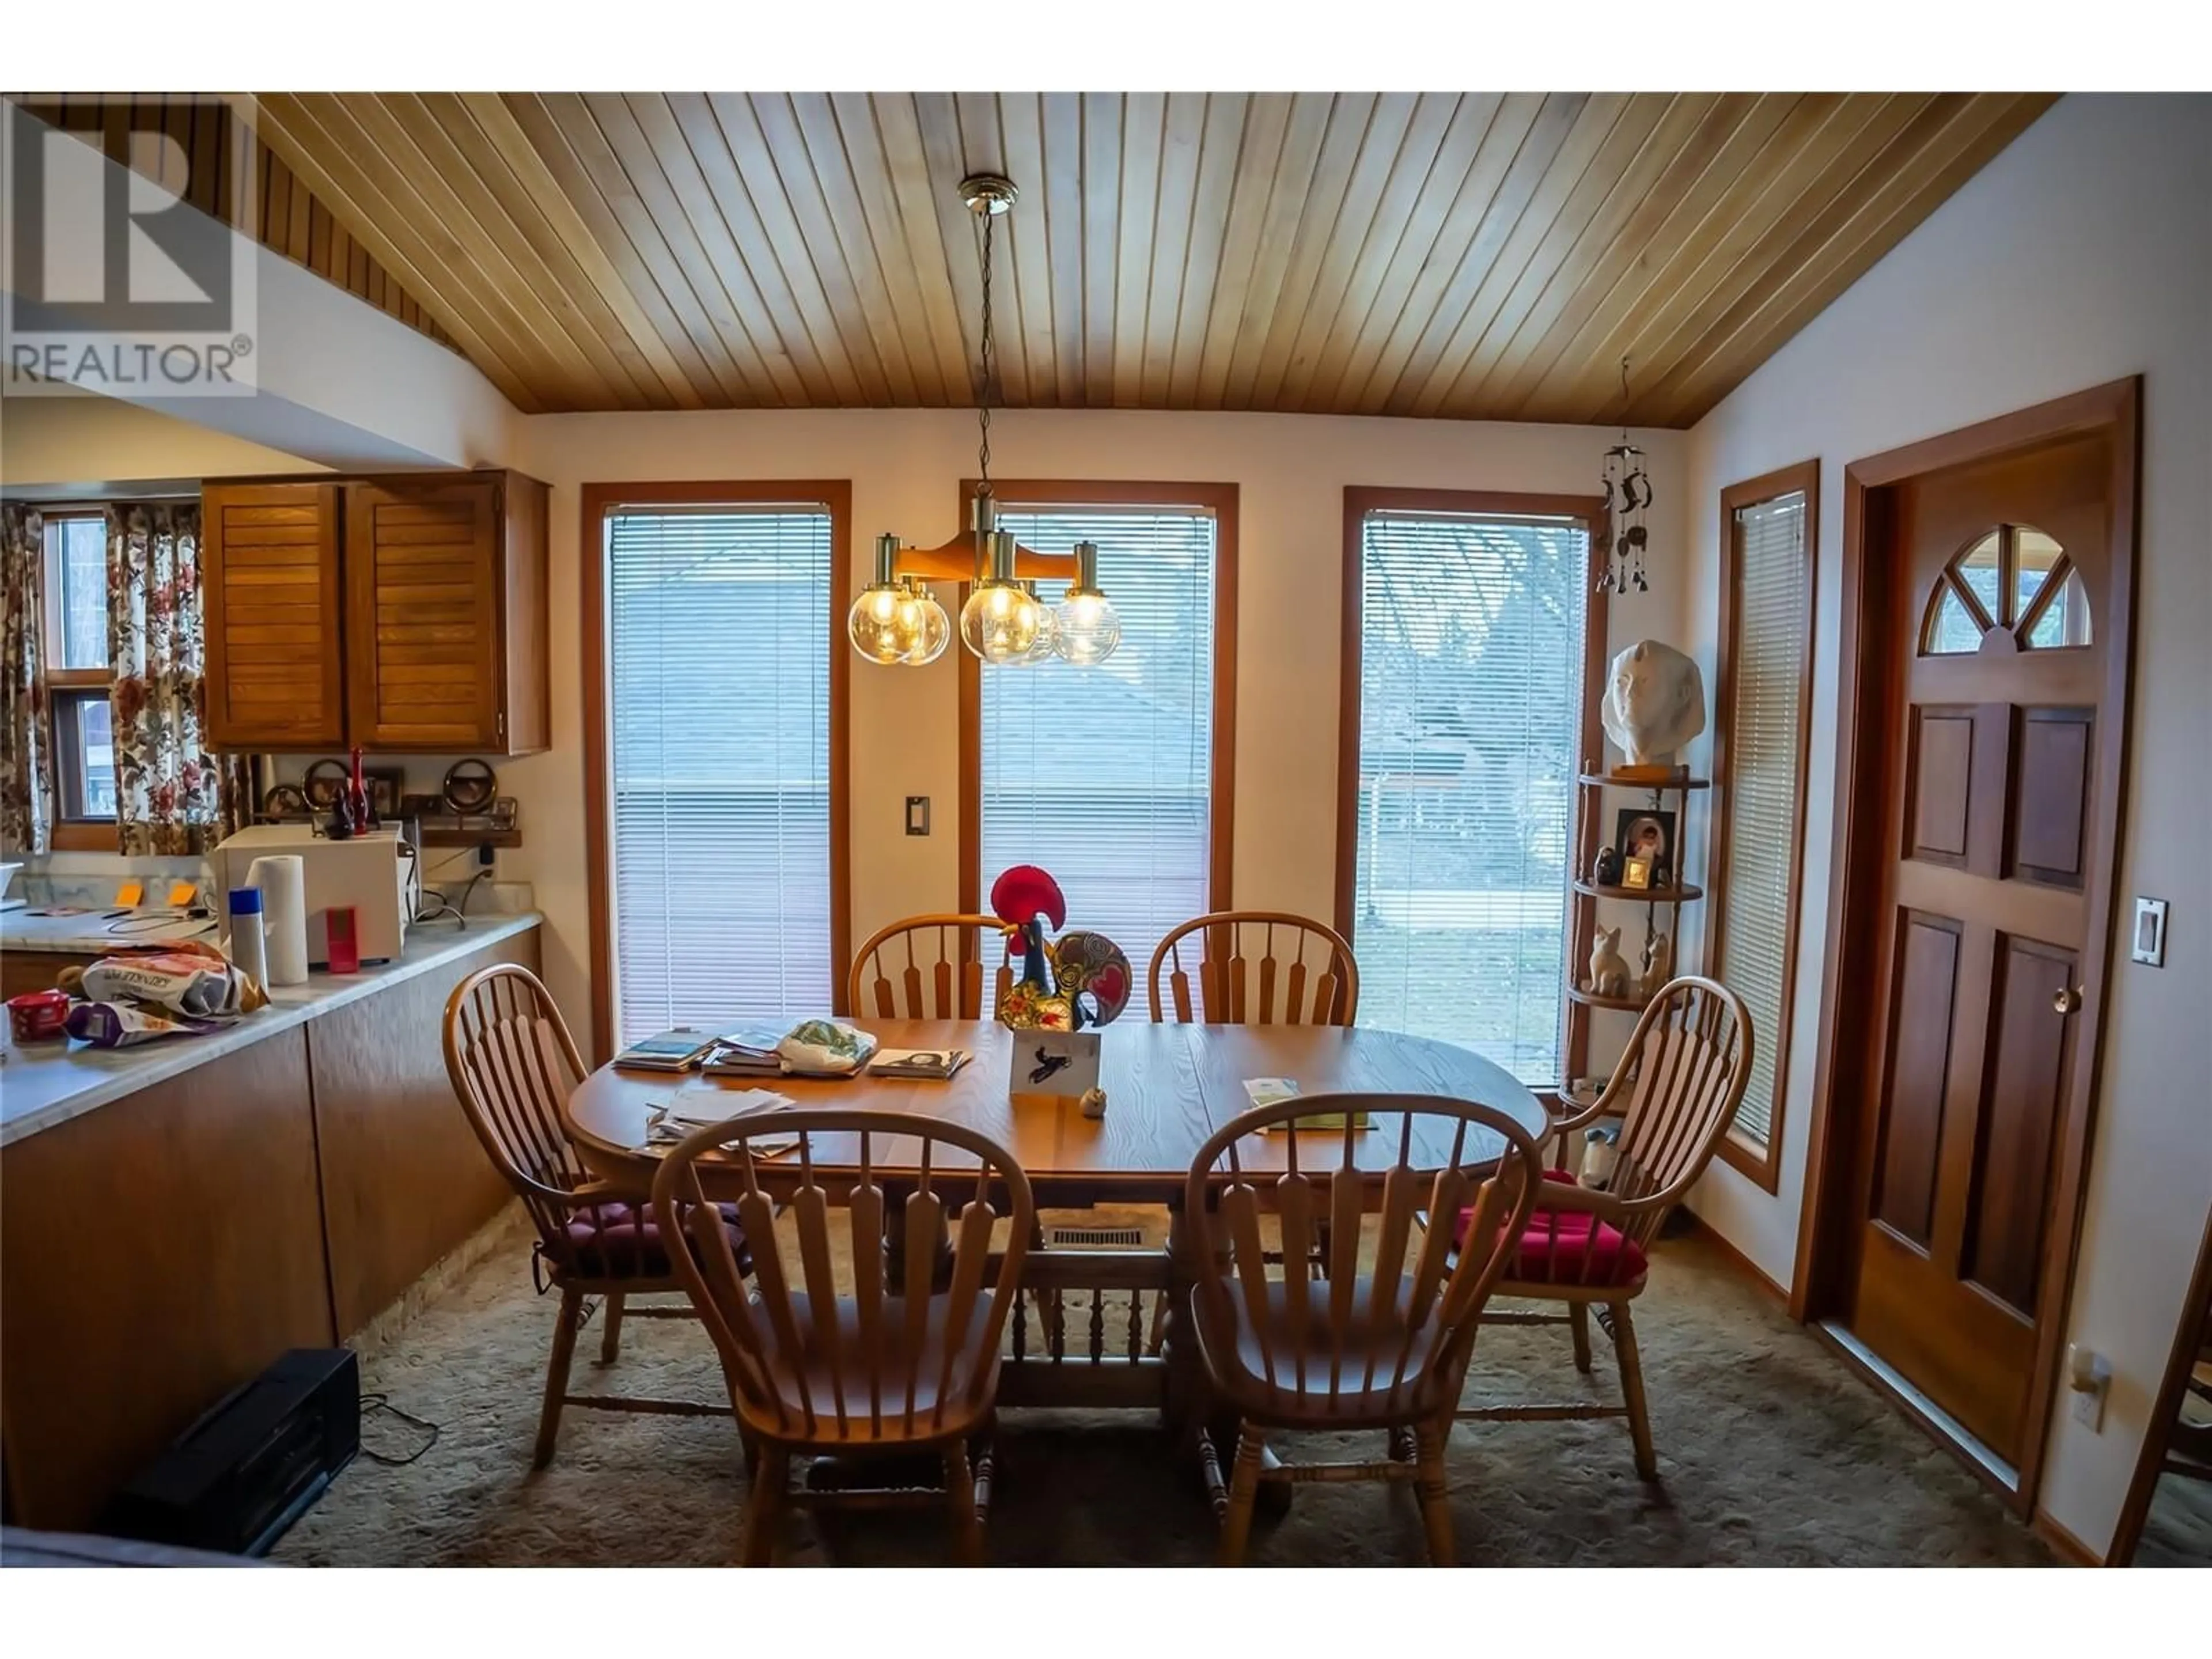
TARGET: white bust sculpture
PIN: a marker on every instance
(1655, 703)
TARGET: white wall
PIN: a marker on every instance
(905, 466)
(81, 446)
(2079, 256)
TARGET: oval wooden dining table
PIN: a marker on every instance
(1168, 1087)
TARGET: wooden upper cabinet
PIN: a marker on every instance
(270, 579)
(429, 632)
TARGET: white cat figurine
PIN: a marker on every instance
(1655, 703)
(1608, 968)
(1658, 964)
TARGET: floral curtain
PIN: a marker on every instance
(171, 795)
(26, 761)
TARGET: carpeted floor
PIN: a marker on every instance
(1771, 1453)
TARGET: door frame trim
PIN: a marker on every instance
(1866, 696)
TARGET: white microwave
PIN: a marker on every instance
(369, 871)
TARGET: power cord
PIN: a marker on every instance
(372, 1403)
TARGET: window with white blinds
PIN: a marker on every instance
(1762, 734)
(718, 643)
(1103, 775)
(1471, 699)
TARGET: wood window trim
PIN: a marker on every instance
(1761, 1166)
(597, 500)
(1360, 500)
(1024, 495)
(68, 835)
(1859, 842)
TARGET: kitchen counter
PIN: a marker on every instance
(46, 1083)
(173, 1217)
(90, 933)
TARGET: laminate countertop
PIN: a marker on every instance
(44, 1084)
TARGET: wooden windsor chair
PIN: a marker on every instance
(513, 1064)
(939, 962)
(1676, 1089)
(1305, 973)
(867, 1368)
(1382, 1343)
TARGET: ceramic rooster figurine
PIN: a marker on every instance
(1082, 980)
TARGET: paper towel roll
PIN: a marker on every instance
(282, 880)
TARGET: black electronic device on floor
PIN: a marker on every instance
(253, 1462)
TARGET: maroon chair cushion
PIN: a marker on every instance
(1569, 1247)
(621, 1241)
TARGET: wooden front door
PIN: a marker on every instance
(1989, 905)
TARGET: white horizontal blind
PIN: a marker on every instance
(1471, 700)
(719, 638)
(1757, 894)
(1103, 775)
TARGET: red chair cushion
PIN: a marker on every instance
(1569, 1247)
(620, 1241)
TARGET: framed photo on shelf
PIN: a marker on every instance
(1636, 872)
(1645, 835)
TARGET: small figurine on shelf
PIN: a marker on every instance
(1658, 964)
(1661, 875)
(1608, 968)
(1605, 869)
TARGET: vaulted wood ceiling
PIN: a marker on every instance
(1472, 255)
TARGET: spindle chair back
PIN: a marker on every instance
(933, 967)
(1256, 967)
(1384, 1340)
(897, 1359)
(1676, 1089)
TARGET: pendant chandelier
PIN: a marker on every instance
(896, 619)
(1627, 494)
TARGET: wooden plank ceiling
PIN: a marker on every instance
(284, 216)
(1480, 256)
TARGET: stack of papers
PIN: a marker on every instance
(696, 1108)
(934, 1064)
(749, 1051)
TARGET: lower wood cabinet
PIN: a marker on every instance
(404, 1178)
(153, 1255)
(163, 1249)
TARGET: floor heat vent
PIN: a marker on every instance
(1094, 1239)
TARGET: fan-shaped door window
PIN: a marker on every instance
(2012, 588)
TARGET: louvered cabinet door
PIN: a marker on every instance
(269, 574)
(425, 653)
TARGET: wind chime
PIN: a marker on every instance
(1627, 494)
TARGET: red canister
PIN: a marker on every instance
(38, 1016)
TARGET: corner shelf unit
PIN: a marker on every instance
(1594, 830)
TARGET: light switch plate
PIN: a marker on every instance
(917, 814)
(2147, 942)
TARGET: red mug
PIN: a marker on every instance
(38, 1015)
(345, 946)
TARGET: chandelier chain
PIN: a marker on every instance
(988, 355)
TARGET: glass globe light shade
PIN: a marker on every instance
(932, 628)
(884, 624)
(1086, 627)
(999, 622)
(1041, 648)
